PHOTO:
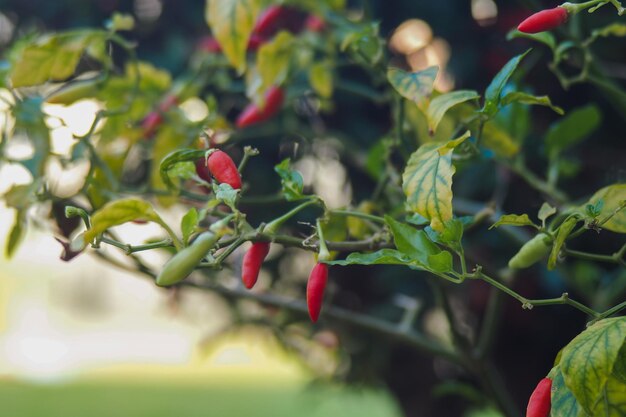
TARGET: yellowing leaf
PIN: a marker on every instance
(52, 57)
(415, 86)
(273, 60)
(321, 79)
(119, 212)
(587, 364)
(441, 104)
(427, 182)
(231, 22)
(564, 230)
(614, 197)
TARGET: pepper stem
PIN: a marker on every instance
(324, 254)
(273, 226)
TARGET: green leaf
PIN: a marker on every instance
(321, 79)
(525, 98)
(619, 369)
(494, 90)
(612, 402)
(546, 38)
(411, 241)
(291, 180)
(414, 86)
(545, 211)
(120, 212)
(562, 233)
(174, 158)
(227, 194)
(16, 235)
(427, 182)
(564, 403)
(52, 57)
(587, 364)
(499, 140)
(594, 210)
(514, 220)
(613, 197)
(22, 196)
(273, 60)
(572, 129)
(441, 104)
(381, 257)
(188, 224)
(451, 234)
(231, 22)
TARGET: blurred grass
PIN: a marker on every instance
(161, 399)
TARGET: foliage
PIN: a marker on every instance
(146, 155)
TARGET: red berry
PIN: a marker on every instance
(544, 20)
(539, 403)
(224, 169)
(314, 23)
(252, 261)
(252, 114)
(315, 290)
(151, 123)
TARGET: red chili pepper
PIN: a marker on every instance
(314, 23)
(539, 403)
(202, 170)
(277, 18)
(544, 20)
(315, 290)
(252, 114)
(151, 123)
(224, 169)
(252, 261)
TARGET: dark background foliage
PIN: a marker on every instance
(527, 341)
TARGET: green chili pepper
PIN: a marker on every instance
(532, 252)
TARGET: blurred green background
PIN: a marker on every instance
(78, 339)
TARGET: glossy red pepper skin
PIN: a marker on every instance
(252, 261)
(315, 290)
(252, 114)
(203, 170)
(544, 20)
(539, 403)
(224, 169)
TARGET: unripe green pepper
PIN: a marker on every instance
(532, 252)
(184, 262)
(74, 91)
